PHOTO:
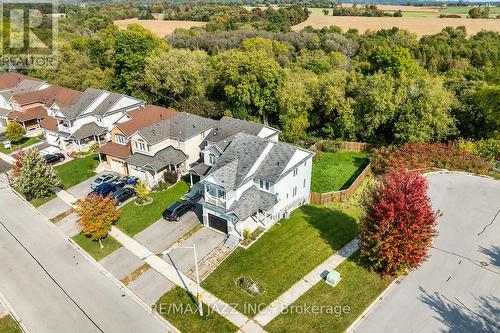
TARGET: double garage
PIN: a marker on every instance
(217, 223)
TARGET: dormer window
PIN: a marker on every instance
(264, 185)
(120, 139)
(211, 159)
(141, 145)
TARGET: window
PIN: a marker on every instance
(211, 158)
(120, 139)
(287, 195)
(140, 145)
(305, 162)
(99, 119)
(264, 184)
(304, 183)
(221, 194)
(295, 172)
(294, 192)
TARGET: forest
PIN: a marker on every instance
(383, 87)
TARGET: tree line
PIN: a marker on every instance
(382, 87)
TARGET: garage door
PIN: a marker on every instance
(217, 223)
(117, 166)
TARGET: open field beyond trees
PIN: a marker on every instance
(419, 25)
(161, 28)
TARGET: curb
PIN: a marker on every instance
(364, 314)
(13, 313)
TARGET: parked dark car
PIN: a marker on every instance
(106, 189)
(123, 194)
(54, 158)
(177, 209)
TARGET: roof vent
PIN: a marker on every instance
(161, 116)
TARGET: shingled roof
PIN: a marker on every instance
(21, 87)
(107, 104)
(163, 158)
(53, 94)
(181, 126)
(81, 103)
(143, 117)
(12, 79)
(88, 130)
(251, 201)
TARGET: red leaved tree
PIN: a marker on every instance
(399, 224)
(97, 214)
(18, 162)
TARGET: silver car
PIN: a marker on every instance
(103, 179)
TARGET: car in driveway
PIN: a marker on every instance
(177, 209)
(107, 178)
(123, 194)
(54, 158)
(106, 189)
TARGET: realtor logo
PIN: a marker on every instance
(27, 33)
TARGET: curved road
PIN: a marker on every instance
(53, 287)
(458, 288)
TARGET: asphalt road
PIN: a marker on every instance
(458, 288)
(52, 286)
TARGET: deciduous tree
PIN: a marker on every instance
(36, 179)
(399, 225)
(14, 132)
(97, 215)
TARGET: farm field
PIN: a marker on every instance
(419, 25)
(160, 28)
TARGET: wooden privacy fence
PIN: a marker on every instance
(342, 195)
(357, 147)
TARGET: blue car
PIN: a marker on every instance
(106, 189)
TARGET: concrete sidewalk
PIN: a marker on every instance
(307, 282)
(180, 279)
(67, 198)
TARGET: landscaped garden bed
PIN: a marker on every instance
(336, 171)
(283, 255)
(358, 288)
(136, 218)
(180, 308)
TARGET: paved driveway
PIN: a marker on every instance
(150, 286)
(121, 263)
(81, 190)
(206, 241)
(53, 208)
(4, 166)
(55, 288)
(458, 288)
(162, 234)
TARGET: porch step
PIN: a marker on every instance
(231, 242)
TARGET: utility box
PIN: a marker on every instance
(7, 145)
(333, 278)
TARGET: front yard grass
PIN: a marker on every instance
(283, 255)
(77, 170)
(337, 171)
(9, 325)
(136, 218)
(94, 248)
(25, 142)
(357, 289)
(180, 308)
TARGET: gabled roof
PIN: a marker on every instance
(181, 126)
(12, 79)
(49, 123)
(88, 130)
(143, 117)
(227, 127)
(265, 159)
(107, 104)
(21, 87)
(239, 157)
(163, 158)
(48, 96)
(115, 149)
(251, 201)
(38, 112)
(85, 99)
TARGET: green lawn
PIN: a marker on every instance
(93, 248)
(179, 308)
(9, 325)
(136, 218)
(337, 171)
(77, 170)
(25, 142)
(357, 289)
(283, 255)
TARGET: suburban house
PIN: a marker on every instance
(252, 182)
(87, 120)
(30, 108)
(12, 84)
(118, 149)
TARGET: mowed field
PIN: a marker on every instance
(419, 25)
(160, 28)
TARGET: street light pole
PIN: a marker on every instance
(198, 296)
